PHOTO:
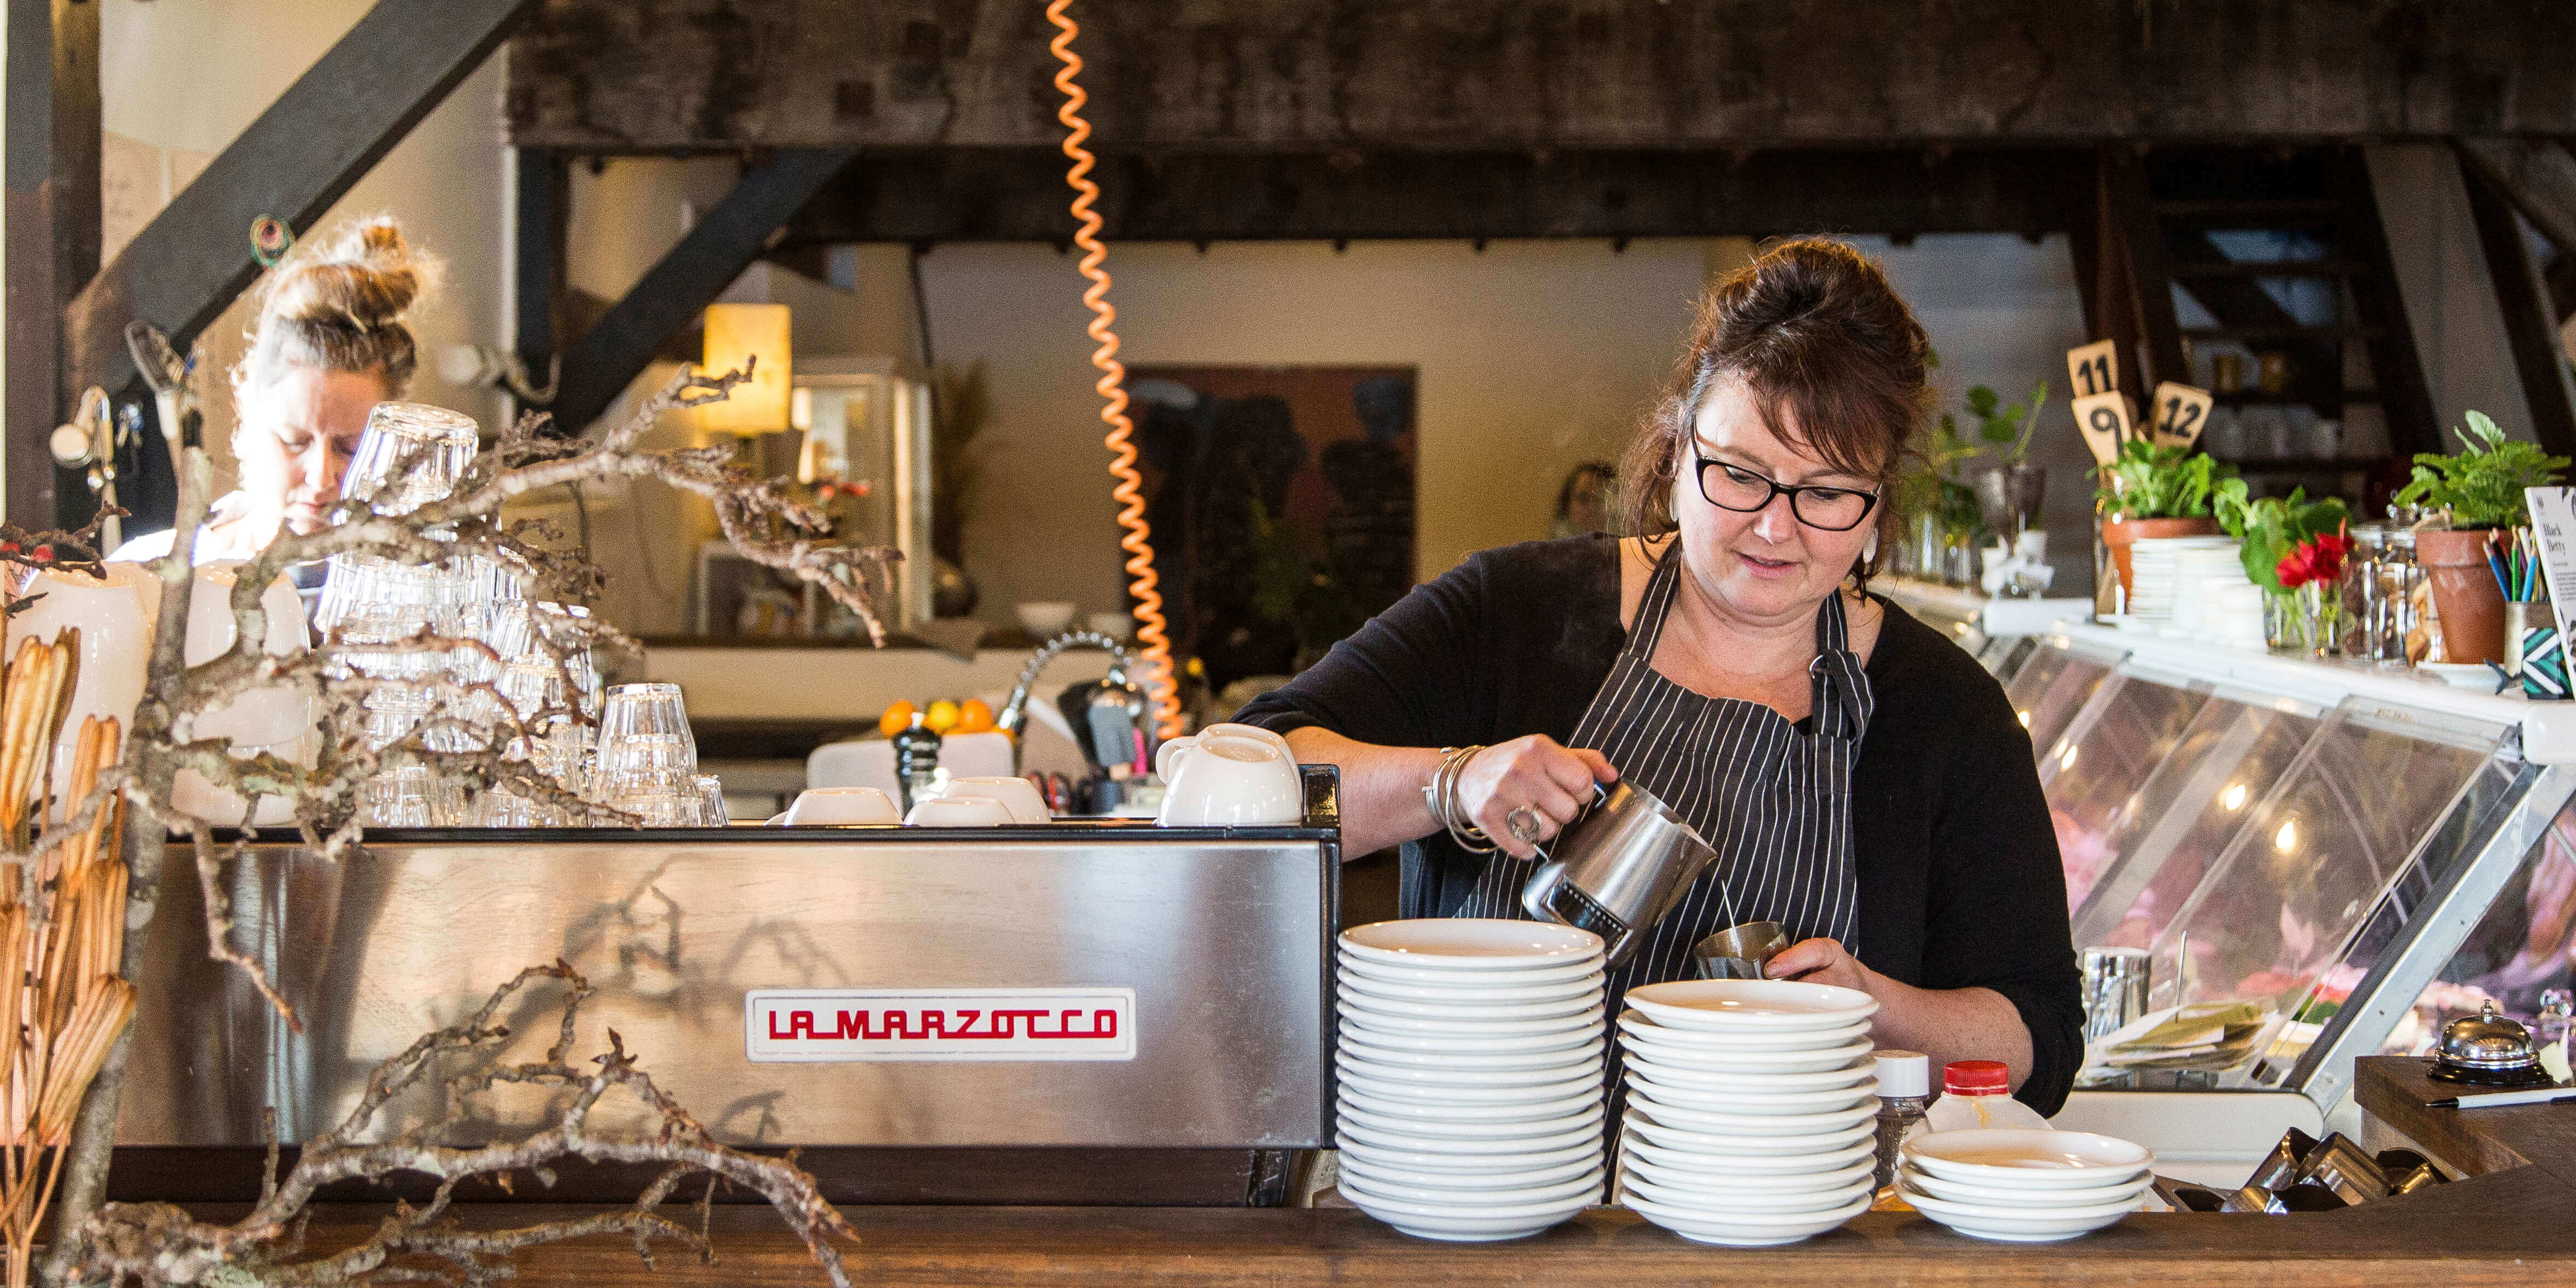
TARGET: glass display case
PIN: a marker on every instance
(2318, 862)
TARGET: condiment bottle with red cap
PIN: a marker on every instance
(1978, 1093)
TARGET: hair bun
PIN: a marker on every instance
(365, 278)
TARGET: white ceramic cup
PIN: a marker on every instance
(1224, 778)
(263, 717)
(958, 811)
(826, 806)
(1017, 795)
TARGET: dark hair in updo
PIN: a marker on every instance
(338, 304)
(1813, 328)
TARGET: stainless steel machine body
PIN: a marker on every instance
(1080, 985)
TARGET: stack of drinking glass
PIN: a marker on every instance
(1470, 1073)
(647, 763)
(374, 608)
(1752, 1108)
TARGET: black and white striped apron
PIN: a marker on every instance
(1772, 797)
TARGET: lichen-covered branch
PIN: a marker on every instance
(154, 1244)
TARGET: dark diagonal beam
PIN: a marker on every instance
(716, 250)
(2530, 323)
(328, 129)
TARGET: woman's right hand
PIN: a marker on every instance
(1534, 773)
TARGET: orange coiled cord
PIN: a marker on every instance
(1150, 628)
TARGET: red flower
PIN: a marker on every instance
(2319, 558)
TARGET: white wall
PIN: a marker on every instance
(2450, 298)
(190, 75)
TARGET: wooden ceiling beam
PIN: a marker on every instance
(922, 196)
(645, 76)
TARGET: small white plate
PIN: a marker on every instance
(1760, 1005)
(1433, 1078)
(2029, 1158)
(2024, 1198)
(1503, 1025)
(1352, 965)
(1689, 1181)
(1748, 1231)
(1392, 1144)
(1537, 1041)
(1751, 1166)
(1636, 1025)
(1473, 1223)
(1471, 943)
(1752, 1124)
(1510, 1177)
(1384, 1157)
(1470, 1057)
(1666, 1075)
(1426, 1093)
(1581, 1111)
(1473, 1012)
(1737, 1204)
(1479, 995)
(2024, 1225)
(1749, 1062)
(1768, 1104)
(1585, 1186)
(1713, 1143)
(1442, 1115)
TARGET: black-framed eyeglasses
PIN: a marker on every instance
(1828, 509)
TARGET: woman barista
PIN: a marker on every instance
(328, 345)
(1864, 782)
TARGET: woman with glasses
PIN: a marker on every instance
(1864, 782)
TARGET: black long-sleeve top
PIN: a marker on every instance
(1960, 882)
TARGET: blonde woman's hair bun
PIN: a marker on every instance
(338, 303)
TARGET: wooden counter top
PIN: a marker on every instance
(2507, 1229)
(2474, 1142)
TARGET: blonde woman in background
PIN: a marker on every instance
(329, 344)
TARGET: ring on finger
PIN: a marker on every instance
(1522, 823)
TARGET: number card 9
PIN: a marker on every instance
(2104, 419)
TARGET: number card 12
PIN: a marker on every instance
(2181, 412)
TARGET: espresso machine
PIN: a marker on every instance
(1092, 1012)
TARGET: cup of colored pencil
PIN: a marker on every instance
(2533, 653)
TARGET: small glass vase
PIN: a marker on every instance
(2304, 622)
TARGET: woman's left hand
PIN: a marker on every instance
(1819, 961)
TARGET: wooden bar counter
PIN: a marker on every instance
(2509, 1228)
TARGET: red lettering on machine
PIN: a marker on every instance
(810, 1025)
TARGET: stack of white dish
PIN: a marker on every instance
(1752, 1109)
(2024, 1186)
(2155, 574)
(1470, 1066)
(2213, 598)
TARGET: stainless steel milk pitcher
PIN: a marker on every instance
(1617, 869)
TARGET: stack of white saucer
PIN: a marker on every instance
(1470, 1068)
(2024, 1186)
(1752, 1109)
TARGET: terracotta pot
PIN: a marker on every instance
(2119, 533)
(2465, 593)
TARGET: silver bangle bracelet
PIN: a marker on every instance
(1441, 796)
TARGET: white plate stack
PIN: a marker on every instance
(2155, 574)
(1752, 1109)
(2024, 1186)
(1471, 1075)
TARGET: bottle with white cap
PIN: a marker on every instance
(1904, 1092)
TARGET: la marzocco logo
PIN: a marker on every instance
(793, 1025)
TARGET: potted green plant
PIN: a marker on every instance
(2481, 490)
(2011, 493)
(2151, 492)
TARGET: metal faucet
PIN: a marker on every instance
(1016, 710)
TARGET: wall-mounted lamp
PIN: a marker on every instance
(735, 333)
